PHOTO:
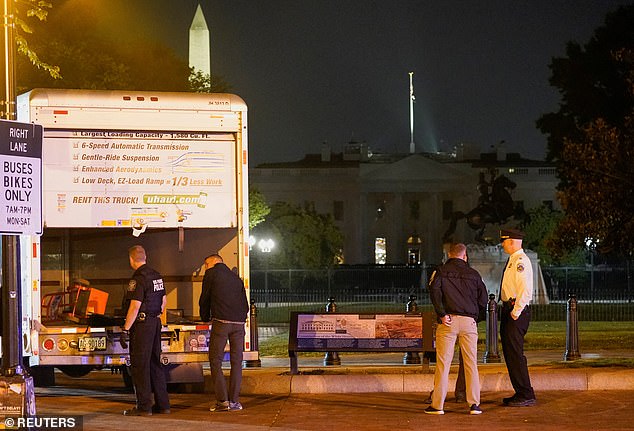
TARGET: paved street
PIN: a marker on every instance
(100, 399)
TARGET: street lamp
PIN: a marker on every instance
(591, 245)
(266, 246)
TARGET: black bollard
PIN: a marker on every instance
(331, 358)
(492, 354)
(254, 339)
(572, 330)
(411, 308)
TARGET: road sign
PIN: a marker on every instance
(21, 178)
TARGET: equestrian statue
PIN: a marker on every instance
(495, 205)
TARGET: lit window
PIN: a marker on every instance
(380, 251)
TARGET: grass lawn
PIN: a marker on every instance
(593, 336)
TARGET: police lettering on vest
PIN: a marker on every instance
(158, 284)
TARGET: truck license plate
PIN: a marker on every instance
(90, 344)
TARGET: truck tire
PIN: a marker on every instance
(127, 377)
(43, 376)
(76, 370)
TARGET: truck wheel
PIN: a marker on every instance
(43, 376)
(76, 370)
(127, 377)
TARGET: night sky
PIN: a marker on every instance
(334, 70)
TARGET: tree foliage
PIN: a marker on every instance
(592, 82)
(201, 82)
(540, 227)
(304, 238)
(258, 208)
(28, 9)
(598, 197)
(591, 137)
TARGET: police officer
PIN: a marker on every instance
(516, 294)
(146, 301)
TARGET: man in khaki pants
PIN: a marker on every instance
(460, 299)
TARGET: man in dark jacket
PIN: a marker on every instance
(460, 298)
(223, 300)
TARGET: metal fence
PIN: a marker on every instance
(603, 293)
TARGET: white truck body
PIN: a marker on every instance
(164, 170)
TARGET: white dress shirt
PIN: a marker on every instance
(517, 281)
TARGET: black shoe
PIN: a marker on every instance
(159, 411)
(432, 411)
(507, 400)
(475, 410)
(522, 402)
(136, 412)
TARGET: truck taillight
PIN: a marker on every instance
(62, 344)
(48, 344)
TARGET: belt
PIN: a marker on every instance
(509, 303)
(143, 315)
(227, 321)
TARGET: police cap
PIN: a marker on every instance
(511, 233)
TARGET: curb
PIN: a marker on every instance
(278, 381)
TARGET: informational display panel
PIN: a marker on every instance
(119, 178)
(317, 332)
(21, 176)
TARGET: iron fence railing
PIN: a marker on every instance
(603, 292)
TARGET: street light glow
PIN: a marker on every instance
(266, 245)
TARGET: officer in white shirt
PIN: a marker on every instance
(516, 294)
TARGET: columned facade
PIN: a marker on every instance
(398, 197)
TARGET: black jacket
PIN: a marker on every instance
(147, 287)
(455, 288)
(223, 296)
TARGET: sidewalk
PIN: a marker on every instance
(555, 410)
(369, 392)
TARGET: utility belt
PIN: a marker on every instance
(143, 316)
(509, 304)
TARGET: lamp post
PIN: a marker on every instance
(11, 281)
(591, 245)
(13, 373)
(266, 246)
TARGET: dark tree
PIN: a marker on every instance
(598, 197)
(591, 82)
(591, 139)
(305, 238)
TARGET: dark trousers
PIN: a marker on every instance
(147, 371)
(512, 334)
(221, 333)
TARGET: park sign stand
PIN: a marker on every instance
(20, 214)
(367, 332)
(21, 169)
